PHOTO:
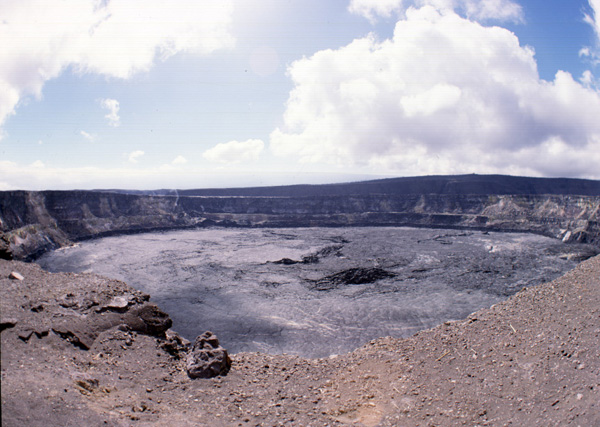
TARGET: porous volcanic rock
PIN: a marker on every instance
(175, 345)
(207, 358)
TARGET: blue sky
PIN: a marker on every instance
(212, 93)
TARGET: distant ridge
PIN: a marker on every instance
(435, 184)
(32, 222)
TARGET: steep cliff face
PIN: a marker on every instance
(34, 222)
(27, 229)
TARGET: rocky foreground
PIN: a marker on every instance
(79, 349)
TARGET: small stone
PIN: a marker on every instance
(15, 276)
(117, 303)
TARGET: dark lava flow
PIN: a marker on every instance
(319, 291)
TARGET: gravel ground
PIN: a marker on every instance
(531, 360)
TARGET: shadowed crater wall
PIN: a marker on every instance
(32, 223)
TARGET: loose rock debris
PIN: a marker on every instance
(531, 360)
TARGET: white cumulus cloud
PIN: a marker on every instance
(134, 156)
(38, 164)
(179, 160)
(87, 136)
(480, 10)
(118, 38)
(593, 19)
(444, 95)
(112, 105)
(432, 100)
(235, 151)
(371, 9)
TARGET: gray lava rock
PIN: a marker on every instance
(207, 358)
(352, 276)
(335, 250)
(80, 303)
(175, 345)
(148, 319)
(81, 336)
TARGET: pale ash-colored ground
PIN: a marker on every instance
(531, 360)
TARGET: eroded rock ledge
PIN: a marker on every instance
(34, 222)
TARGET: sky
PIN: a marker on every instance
(148, 94)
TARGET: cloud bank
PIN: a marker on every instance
(234, 152)
(37, 176)
(117, 38)
(134, 156)
(444, 95)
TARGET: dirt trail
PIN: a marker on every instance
(531, 360)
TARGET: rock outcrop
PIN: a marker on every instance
(79, 317)
(32, 223)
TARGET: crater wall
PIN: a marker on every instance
(32, 223)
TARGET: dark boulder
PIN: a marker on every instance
(207, 358)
